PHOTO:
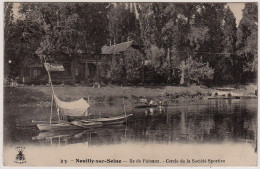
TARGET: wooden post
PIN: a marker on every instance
(125, 132)
(58, 111)
(51, 141)
(51, 107)
(124, 106)
(143, 71)
(59, 142)
(97, 68)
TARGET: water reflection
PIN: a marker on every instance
(112, 135)
(217, 121)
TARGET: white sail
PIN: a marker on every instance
(75, 108)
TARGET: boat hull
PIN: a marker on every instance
(82, 124)
(59, 126)
(113, 120)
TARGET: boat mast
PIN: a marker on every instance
(51, 87)
(124, 105)
(51, 107)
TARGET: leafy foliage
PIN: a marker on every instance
(247, 37)
(123, 24)
(196, 71)
(203, 36)
(22, 38)
(126, 67)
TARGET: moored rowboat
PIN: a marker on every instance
(66, 111)
(82, 124)
(57, 126)
(74, 125)
(113, 120)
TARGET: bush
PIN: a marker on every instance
(195, 71)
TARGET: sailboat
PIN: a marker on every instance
(73, 115)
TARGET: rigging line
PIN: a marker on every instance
(204, 52)
(43, 113)
(215, 53)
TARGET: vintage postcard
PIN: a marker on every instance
(130, 84)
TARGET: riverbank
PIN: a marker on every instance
(112, 94)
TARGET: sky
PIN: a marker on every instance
(237, 8)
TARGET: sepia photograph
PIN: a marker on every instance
(117, 84)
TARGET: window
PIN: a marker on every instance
(76, 71)
(36, 72)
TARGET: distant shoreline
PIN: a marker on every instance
(32, 95)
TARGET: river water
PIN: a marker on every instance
(216, 123)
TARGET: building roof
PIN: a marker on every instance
(34, 65)
(118, 48)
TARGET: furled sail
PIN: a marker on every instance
(76, 108)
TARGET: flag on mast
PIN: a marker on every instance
(52, 67)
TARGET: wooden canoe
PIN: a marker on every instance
(58, 126)
(113, 120)
(82, 124)
(110, 120)
(74, 125)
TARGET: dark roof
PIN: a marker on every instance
(34, 65)
(118, 48)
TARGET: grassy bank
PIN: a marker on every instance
(172, 94)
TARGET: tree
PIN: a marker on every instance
(169, 34)
(74, 27)
(219, 45)
(133, 60)
(224, 67)
(196, 71)
(247, 38)
(122, 24)
(159, 29)
(126, 67)
(8, 24)
(229, 32)
(173, 27)
(158, 63)
(22, 38)
(55, 30)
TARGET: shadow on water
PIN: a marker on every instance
(233, 121)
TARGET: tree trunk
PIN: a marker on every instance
(169, 62)
(72, 71)
(143, 65)
(182, 72)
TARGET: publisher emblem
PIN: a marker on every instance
(20, 157)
